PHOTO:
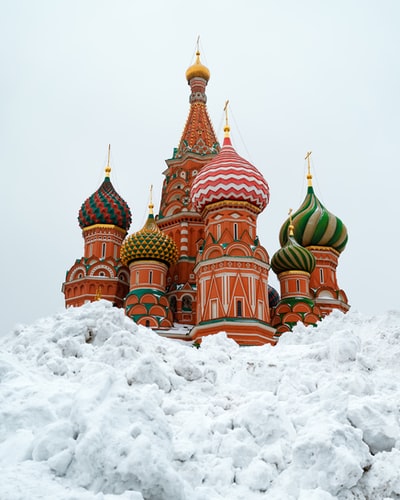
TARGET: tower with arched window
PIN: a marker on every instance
(104, 218)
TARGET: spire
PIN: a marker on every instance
(227, 128)
(150, 224)
(309, 176)
(108, 168)
(291, 226)
(151, 205)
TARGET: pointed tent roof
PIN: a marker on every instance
(198, 135)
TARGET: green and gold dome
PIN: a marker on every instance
(315, 225)
(149, 244)
(292, 257)
(105, 206)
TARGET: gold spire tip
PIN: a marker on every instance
(108, 168)
(309, 176)
(291, 226)
(151, 205)
(227, 128)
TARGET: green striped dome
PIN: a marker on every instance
(149, 244)
(292, 257)
(315, 225)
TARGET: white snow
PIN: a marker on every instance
(94, 407)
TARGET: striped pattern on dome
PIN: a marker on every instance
(292, 257)
(149, 243)
(105, 206)
(315, 225)
(229, 177)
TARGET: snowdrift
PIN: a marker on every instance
(93, 406)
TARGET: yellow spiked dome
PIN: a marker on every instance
(149, 244)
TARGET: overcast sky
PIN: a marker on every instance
(310, 75)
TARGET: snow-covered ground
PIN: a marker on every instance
(94, 407)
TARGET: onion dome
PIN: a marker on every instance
(315, 225)
(292, 257)
(197, 70)
(149, 244)
(229, 177)
(105, 206)
(273, 296)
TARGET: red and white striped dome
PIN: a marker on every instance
(229, 177)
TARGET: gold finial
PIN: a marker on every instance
(227, 128)
(309, 176)
(291, 226)
(198, 50)
(108, 168)
(98, 293)
(151, 206)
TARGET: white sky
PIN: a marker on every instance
(77, 75)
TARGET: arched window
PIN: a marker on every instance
(187, 303)
(235, 231)
(172, 304)
(239, 312)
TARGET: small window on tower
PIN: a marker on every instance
(297, 285)
(235, 231)
(239, 312)
(150, 276)
(321, 275)
(103, 250)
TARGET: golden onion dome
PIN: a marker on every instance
(149, 244)
(197, 70)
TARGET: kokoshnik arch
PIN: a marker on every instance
(198, 267)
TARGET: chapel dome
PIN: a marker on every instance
(149, 244)
(315, 225)
(105, 206)
(229, 177)
(292, 257)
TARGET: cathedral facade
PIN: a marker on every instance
(197, 267)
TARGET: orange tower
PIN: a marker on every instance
(325, 236)
(232, 267)
(149, 253)
(176, 218)
(293, 265)
(104, 219)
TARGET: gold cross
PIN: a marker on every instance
(108, 168)
(227, 127)
(309, 176)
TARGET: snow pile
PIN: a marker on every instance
(94, 407)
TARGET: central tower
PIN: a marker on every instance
(177, 218)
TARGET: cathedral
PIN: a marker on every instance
(198, 267)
